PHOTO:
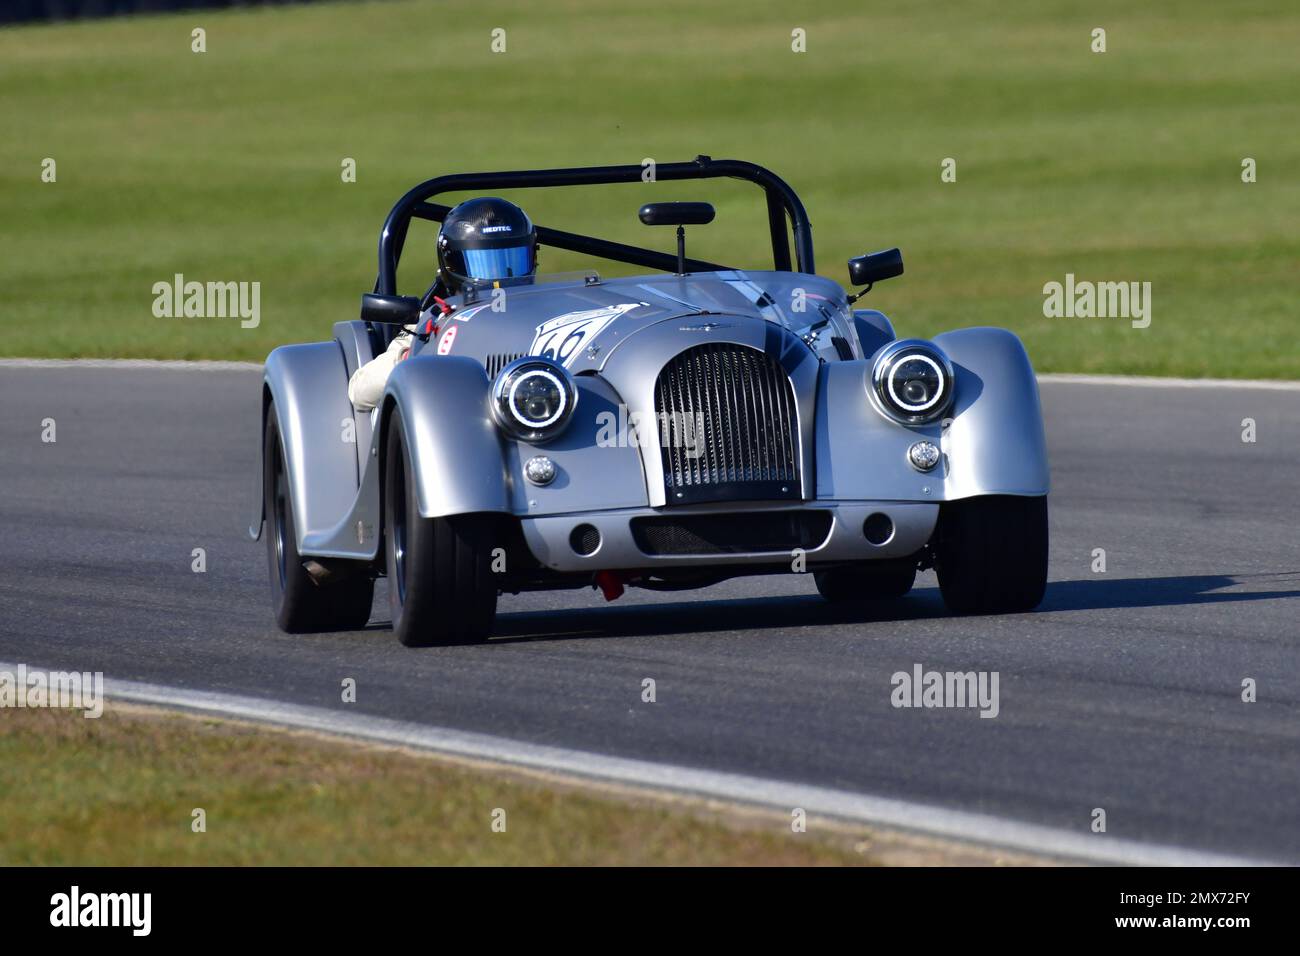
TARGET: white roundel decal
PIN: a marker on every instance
(562, 338)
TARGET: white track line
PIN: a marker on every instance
(735, 788)
(860, 808)
(197, 365)
(1048, 378)
(1065, 378)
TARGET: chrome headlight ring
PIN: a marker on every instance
(912, 381)
(533, 398)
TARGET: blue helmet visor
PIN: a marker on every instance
(498, 263)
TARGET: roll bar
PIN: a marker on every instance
(782, 204)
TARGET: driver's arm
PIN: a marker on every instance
(366, 387)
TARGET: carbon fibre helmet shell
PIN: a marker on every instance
(486, 239)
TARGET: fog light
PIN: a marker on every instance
(540, 470)
(924, 455)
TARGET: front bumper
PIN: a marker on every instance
(549, 538)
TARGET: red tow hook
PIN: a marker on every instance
(610, 584)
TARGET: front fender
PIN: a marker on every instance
(995, 444)
(457, 457)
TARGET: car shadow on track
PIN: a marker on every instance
(1103, 593)
(742, 614)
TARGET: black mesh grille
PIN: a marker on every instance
(727, 426)
(497, 361)
(731, 534)
(584, 539)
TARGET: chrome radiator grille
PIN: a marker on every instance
(727, 426)
(495, 362)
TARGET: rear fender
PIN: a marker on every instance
(308, 384)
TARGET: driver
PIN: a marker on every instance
(481, 240)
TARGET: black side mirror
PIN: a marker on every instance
(876, 267)
(676, 213)
(390, 309)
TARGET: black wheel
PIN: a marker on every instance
(441, 588)
(866, 582)
(991, 553)
(300, 604)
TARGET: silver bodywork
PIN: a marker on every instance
(853, 457)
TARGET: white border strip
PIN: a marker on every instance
(198, 365)
(1066, 378)
(735, 788)
(1048, 378)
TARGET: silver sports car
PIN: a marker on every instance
(666, 430)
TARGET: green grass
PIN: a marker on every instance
(121, 790)
(225, 165)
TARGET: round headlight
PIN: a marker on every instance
(913, 381)
(533, 398)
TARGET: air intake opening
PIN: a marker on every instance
(774, 531)
(584, 539)
(878, 528)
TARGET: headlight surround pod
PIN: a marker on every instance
(912, 381)
(533, 399)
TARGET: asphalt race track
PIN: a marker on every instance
(1122, 692)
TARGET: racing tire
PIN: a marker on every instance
(301, 605)
(991, 553)
(865, 583)
(441, 589)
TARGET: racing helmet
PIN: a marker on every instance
(485, 240)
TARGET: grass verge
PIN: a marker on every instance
(121, 790)
(226, 165)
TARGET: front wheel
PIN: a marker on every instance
(441, 589)
(991, 553)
